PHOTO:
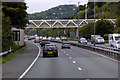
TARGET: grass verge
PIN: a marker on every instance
(11, 55)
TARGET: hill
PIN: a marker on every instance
(60, 12)
(104, 10)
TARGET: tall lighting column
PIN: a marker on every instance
(94, 21)
(78, 21)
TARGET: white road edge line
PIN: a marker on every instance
(79, 69)
(74, 62)
(26, 71)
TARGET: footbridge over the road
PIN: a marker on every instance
(65, 23)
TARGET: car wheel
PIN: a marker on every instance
(44, 55)
(56, 55)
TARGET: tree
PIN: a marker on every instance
(6, 33)
(104, 27)
(16, 12)
(118, 22)
(87, 30)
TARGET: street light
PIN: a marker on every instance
(94, 21)
(78, 22)
(86, 11)
(59, 18)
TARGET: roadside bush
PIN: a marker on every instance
(104, 27)
(106, 36)
(87, 30)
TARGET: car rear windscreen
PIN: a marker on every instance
(45, 40)
(50, 46)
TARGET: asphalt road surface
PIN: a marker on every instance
(73, 63)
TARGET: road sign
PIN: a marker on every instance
(16, 35)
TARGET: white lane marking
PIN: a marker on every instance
(70, 57)
(79, 69)
(67, 54)
(103, 56)
(74, 62)
(28, 69)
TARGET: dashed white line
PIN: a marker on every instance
(74, 62)
(67, 54)
(79, 69)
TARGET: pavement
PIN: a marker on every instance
(15, 67)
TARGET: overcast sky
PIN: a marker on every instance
(42, 5)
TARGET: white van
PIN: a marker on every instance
(114, 39)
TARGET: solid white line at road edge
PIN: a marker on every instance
(26, 71)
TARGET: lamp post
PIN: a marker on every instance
(94, 21)
(78, 22)
(59, 18)
(86, 11)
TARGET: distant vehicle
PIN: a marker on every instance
(53, 38)
(65, 45)
(36, 35)
(97, 39)
(114, 39)
(49, 38)
(26, 36)
(44, 38)
(82, 40)
(44, 41)
(116, 44)
(64, 39)
(57, 38)
(50, 50)
(31, 37)
(37, 40)
(41, 37)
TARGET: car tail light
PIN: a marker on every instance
(41, 41)
(45, 49)
(55, 49)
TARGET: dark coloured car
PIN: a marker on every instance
(31, 37)
(50, 50)
(44, 41)
(65, 45)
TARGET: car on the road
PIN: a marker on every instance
(49, 38)
(64, 39)
(82, 40)
(57, 38)
(65, 45)
(44, 38)
(41, 37)
(31, 37)
(44, 41)
(37, 40)
(50, 50)
(52, 38)
(116, 44)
